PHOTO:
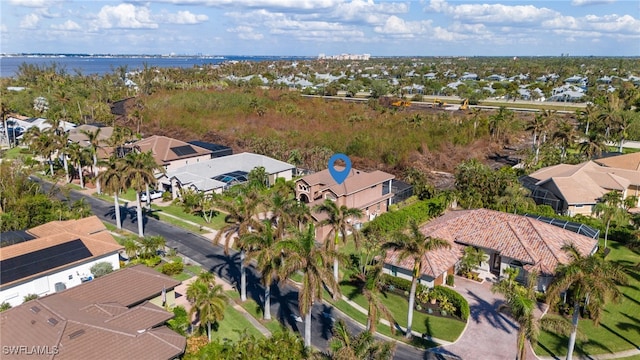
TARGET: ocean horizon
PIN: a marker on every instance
(101, 64)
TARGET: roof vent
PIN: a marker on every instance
(52, 322)
(76, 334)
(35, 309)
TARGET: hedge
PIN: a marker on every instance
(397, 220)
(400, 283)
(461, 304)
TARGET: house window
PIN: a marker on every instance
(70, 277)
(386, 187)
(394, 271)
(330, 196)
(578, 205)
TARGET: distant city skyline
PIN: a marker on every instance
(331, 27)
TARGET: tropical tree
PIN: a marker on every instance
(301, 253)
(414, 244)
(241, 219)
(262, 247)
(372, 288)
(95, 143)
(591, 282)
(346, 346)
(131, 248)
(79, 157)
(565, 136)
(593, 145)
(112, 182)
(472, 259)
(149, 245)
(208, 302)
(340, 220)
(610, 208)
(42, 143)
(138, 172)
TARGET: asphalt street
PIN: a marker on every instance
(284, 298)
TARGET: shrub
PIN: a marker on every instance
(100, 269)
(397, 220)
(450, 279)
(5, 306)
(30, 297)
(460, 303)
(172, 268)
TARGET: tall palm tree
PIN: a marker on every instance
(138, 172)
(95, 143)
(43, 143)
(610, 208)
(340, 220)
(373, 290)
(282, 203)
(346, 346)
(241, 219)
(112, 182)
(208, 301)
(593, 145)
(589, 278)
(261, 247)
(301, 253)
(79, 156)
(414, 244)
(149, 245)
(565, 136)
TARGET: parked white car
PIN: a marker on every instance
(153, 194)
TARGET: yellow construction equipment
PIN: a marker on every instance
(401, 103)
(439, 103)
(465, 105)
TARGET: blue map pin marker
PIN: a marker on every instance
(337, 175)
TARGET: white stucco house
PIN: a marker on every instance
(55, 256)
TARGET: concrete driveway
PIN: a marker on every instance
(489, 334)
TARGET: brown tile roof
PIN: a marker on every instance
(116, 286)
(91, 231)
(161, 146)
(84, 329)
(532, 242)
(357, 180)
(585, 183)
(627, 161)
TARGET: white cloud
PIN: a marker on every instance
(186, 17)
(591, 2)
(270, 4)
(246, 33)
(492, 13)
(67, 26)
(396, 25)
(613, 23)
(31, 3)
(30, 21)
(124, 16)
(3, 28)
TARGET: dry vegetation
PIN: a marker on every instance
(282, 124)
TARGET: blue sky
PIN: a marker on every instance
(311, 27)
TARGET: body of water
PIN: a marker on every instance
(101, 65)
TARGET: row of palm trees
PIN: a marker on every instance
(276, 231)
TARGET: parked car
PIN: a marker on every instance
(153, 194)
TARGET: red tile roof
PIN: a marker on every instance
(92, 327)
(534, 243)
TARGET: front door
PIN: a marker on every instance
(495, 264)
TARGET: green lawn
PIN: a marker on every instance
(255, 310)
(234, 325)
(439, 327)
(619, 329)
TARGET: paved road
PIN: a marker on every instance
(284, 299)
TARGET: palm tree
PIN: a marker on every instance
(373, 290)
(538, 125)
(131, 248)
(93, 137)
(42, 143)
(345, 346)
(138, 171)
(113, 183)
(261, 247)
(241, 219)
(588, 278)
(149, 245)
(565, 135)
(593, 145)
(79, 156)
(282, 203)
(340, 220)
(414, 244)
(521, 303)
(208, 301)
(301, 253)
(610, 209)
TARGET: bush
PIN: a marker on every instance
(100, 269)
(450, 279)
(397, 220)
(172, 268)
(5, 306)
(29, 297)
(460, 303)
(401, 285)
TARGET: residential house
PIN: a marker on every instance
(217, 174)
(55, 256)
(509, 240)
(576, 189)
(112, 317)
(172, 153)
(368, 191)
